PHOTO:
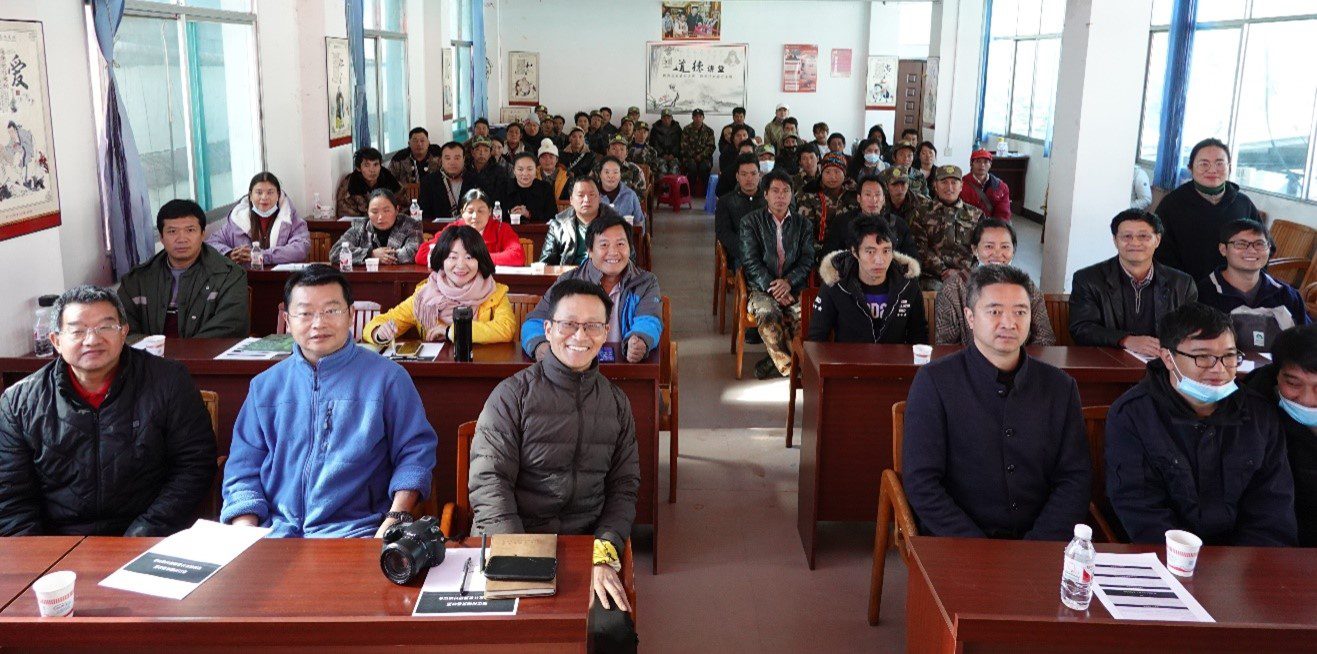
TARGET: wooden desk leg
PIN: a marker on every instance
(807, 510)
(926, 629)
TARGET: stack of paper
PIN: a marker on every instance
(441, 594)
(1139, 587)
(179, 564)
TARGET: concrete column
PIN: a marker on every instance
(957, 42)
(1099, 98)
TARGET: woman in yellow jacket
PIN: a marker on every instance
(462, 275)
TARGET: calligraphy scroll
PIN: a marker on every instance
(687, 76)
(29, 195)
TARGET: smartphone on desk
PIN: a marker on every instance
(607, 354)
(521, 568)
(407, 349)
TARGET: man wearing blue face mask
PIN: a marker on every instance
(1188, 449)
(1291, 381)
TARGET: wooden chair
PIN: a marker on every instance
(668, 396)
(930, 314)
(806, 310)
(1058, 313)
(741, 321)
(1310, 276)
(456, 516)
(1101, 515)
(522, 305)
(211, 505)
(1293, 239)
(1309, 294)
(1290, 270)
(723, 283)
(320, 245)
(650, 198)
(528, 247)
(896, 522)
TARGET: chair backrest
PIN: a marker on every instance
(807, 296)
(466, 432)
(363, 311)
(281, 323)
(214, 501)
(930, 314)
(898, 433)
(665, 345)
(1309, 294)
(1058, 312)
(522, 305)
(1293, 239)
(528, 248)
(1289, 269)
(320, 245)
(211, 400)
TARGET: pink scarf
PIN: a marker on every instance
(437, 299)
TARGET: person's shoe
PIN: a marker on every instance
(766, 369)
(752, 337)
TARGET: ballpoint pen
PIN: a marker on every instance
(466, 574)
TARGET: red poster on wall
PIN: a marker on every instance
(841, 62)
(800, 68)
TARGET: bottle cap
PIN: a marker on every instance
(1083, 531)
(47, 300)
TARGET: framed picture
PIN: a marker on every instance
(29, 190)
(930, 92)
(524, 78)
(880, 83)
(509, 115)
(841, 62)
(692, 21)
(338, 69)
(446, 58)
(682, 77)
(800, 68)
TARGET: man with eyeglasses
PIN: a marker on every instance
(1259, 305)
(555, 452)
(104, 440)
(1188, 449)
(1119, 302)
(1196, 211)
(332, 442)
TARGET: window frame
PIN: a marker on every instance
(1015, 40)
(380, 36)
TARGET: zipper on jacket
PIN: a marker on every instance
(96, 424)
(891, 309)
(580, 437)
(311, 453)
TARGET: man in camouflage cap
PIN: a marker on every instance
(903, 155)
(767, 155)
(642, 153)
(631, 173)
(835, 194)
(633, 113)
(697, 143)
(942, 231)
(900, 201)
(667, 141)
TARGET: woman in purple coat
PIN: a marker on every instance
(265, 216)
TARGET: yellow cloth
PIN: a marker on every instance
(605, 553)
(493, 321)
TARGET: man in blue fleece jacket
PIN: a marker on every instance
(332, 442)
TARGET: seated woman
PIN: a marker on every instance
(870, 291)
(992, 241)
(477, 210)
(616, 194)
(386, 234)
(529, 195)
(282, 235)
(369, 174)
(462, 275)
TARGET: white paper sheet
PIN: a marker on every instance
(182, 562)
(1141, 357)
(290, 267)
(444, 582)
(1246, 366)
(1139, 587)
(236, 352)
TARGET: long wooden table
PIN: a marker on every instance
(849, 390)
(25, 560)
(305, 593)
(452, 392)
(979, 596)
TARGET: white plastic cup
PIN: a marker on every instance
(537, 267)
(516, 218)
(1182, 552)
(372, 264)
(55, 593)
(923, 354)
(154, 344)
(630, 219)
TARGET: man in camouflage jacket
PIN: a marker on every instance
(697, 143)
(942, 231)
(836, 194)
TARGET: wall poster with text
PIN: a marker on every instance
(338, 71)
(800, 68)
(688, 76)
(29, 193)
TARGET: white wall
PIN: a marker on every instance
(895, 28)
(47, 261)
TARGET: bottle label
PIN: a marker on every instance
(1076, 571)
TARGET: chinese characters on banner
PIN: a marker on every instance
(841, 62)
(688, 76)
(29, 195)
(800, 68)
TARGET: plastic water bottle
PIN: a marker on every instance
(258, 257)
(345, 260)
(1002, 150)
(498, 210)
(317, 211)
(1077, 574)
(43, 325)
(415, 210)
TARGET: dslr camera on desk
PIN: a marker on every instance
(410, 548)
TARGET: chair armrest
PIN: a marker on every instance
(903, 517)
(446, 519)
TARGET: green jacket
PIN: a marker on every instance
(212, 297)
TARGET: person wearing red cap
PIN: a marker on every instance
(985, 190)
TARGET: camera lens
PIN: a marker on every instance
(397, 564)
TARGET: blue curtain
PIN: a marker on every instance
(357, 51)
(479, 82)
(1175, 86)
(132, 235)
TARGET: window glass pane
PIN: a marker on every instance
(1152, 98)
(1210, 10)
(1211, 87)
(1053, 17)
(227, 5)
(370, 10)
(372, 94)
(393, 85)
(997, 86)
(1003, 17)
(228, 142)
(1044, 89)
(391, 15)
(1027, 17)
(1021, 96)
(150, 78)
(1275, 108)
(1161, 12)
(1275, 8)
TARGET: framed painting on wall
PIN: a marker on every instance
(930, 93)
(692, 21)
(29, 190)
(880, 83)
(338, 71)
(446, 58)
(524, 78)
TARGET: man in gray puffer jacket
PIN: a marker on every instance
(555, 452)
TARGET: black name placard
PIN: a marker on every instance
(172, 567)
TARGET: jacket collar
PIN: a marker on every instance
(565, 377)
(1229, 411)
(209, 261)
(125, 369)
(1267, 288)
(357, 184)
(241, 215)
(594, 275)
(842, 266)
(340, 360)
(983, 374)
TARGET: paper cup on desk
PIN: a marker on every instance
(372, 265)
(537, 267)
(923, 353)
(55, 593)
(1182, 552)
(154, 344)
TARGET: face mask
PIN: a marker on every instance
(1306, 416)
(871, 158)
(1205, 393)
(267, 213)
(766, 167)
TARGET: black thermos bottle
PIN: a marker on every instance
(462, 333)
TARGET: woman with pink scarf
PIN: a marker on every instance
(462, 275)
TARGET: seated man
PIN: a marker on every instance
(1187, 449)
(734, 205)
(984, 190)
(555, 452)
(565, 243)
(332, 441)
(354, 189)
(636, 317)
(993, 241)
(1291, 381)
(835, 195)
(941, 231)
(900, 201)
(188, 289)
(994, 439)
(777, 254)
(104, 440)
(1259, 305)
(903, 155)
(1121, 301)
(870, 291)
(410, 164)
(484, 168)
(441, 190)
(807, 173)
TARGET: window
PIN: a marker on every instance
(1019, 80)
(186, 72)
(1244, 88)
(386, 73)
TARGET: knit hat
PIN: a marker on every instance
(833, 159)
(547, 147)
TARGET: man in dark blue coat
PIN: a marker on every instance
(994, 439)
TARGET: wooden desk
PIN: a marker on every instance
(389, 286)
(294, 592)
(979, 595)
(25, 560)
(1014, 170)
(846, 440)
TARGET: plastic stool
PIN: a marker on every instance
(676, 191)
(710, 196)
